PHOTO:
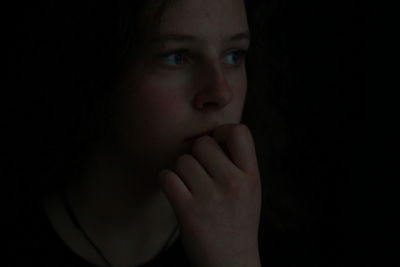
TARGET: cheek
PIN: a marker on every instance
(161, 108)
(165, 106)
(150, 118)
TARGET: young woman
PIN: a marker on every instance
(161, 155)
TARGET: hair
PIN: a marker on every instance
(93, 44)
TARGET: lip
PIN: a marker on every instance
(198, 135)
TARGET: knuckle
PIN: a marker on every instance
(228, 175)
(233, 185)
(235, 130)
(199, 143)
(242, 128)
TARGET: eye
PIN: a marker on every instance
(174, 58)
(237, 56)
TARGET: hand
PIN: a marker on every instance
(216, 195)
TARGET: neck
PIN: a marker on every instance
(117, 206)
(130, 221)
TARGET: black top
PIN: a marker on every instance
(34, 242)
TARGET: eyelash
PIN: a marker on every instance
(241, 53)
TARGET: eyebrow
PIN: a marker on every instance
(190, 38)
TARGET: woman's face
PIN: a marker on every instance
(183, 93)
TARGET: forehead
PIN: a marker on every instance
(211, 20)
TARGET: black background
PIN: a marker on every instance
(325, 44)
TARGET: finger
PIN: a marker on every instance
(214, 160)
(238, 141)
(193, 174)
(175, 190)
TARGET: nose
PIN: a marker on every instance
(215, 92)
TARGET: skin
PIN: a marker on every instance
(127, 208)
